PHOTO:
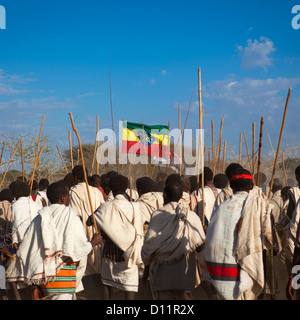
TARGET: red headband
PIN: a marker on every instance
(241, 176)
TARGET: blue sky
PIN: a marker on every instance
(55, 58)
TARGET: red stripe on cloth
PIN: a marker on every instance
(221, 271)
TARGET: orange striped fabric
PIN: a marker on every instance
(65, 281)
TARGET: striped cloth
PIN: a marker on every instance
(65, 281)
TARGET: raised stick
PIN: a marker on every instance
(279, 141)
(224, 151)
(62, 159)
(35, 165)
(240, 150)
(71, 149)
(2, 152)
(84, 171)
(253, 147)
(219, 144)
(37, 149)
(259, 149)
(9, 163)
(249, 160)
(180, 142)
(22, 160)
(213, 147)
(146, 158)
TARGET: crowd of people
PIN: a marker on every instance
(59, 240)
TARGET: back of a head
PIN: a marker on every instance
(220, 181)
(57, 190)
(285, 191)
(231, 169)
(96, 180)
(78, 172)
(173, 192)
(208, 175)
(69, 178)
(174, 177)
(111, 174)
(43, 184)
(20, 189)
(277, 185)
(186, 183)
(193, 180)
(297, 173)
(159, 186)
(21, 178)
(262, 178)
(35, 185)
(242, 180)
(6, 194)
(118, 184)
(144, 185)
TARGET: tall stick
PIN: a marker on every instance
(35, 165)
(96, 145)
(180, 142)
(9, 163)
(145, 155)
(71, 150)
(37, 149)
(240, 150)
(213, 147)
(249, 160)
(259, 149)
(2, 152)
(200, 149)
(62, 160)
(84, 172)
(279, 141)
(22, 160)
(219, 143)
(253, 147)
(284, 170)
(224, 151)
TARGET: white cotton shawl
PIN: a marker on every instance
(55, 233)
(122, 222)
(174, 231)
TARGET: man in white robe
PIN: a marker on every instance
(173, 236)
(41, 196)
(239, 232)
(121, 225)
(54, 243)
(90, 266)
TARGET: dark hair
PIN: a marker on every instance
(43, 184)
(186, 183)
(21, 179)
(173, 191)
(241, 184)
(297, 172)
(174, 177)
(105, 185)
(158, 186)
(111, 174)
(220, 181)
(284, 191)
(262, 177)
(231, 169)
(208, 175)
(69, 178)
(277, 185)
(35, 185)
(144, 185)
(79, 173)
(56, 190)
(96, 180)
(6, 194)
(193, 180)
(20, 189)
(118, 184)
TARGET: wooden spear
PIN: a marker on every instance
(219, 144)
(213, 147)
(240, 150)
(84, 171)
(62, 159)
(259, 149)
(2, 152)
(35, 165)
(253, 147)
(9, 163)
(224, 151)
(279, 141)
(71, 150)
(22, 160)
(249, 160)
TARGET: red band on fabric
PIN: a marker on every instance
(241, 176)
(223, 272)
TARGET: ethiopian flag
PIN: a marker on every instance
(142, 139)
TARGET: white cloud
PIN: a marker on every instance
(164, 72)
(257, 53)
(152, 81)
